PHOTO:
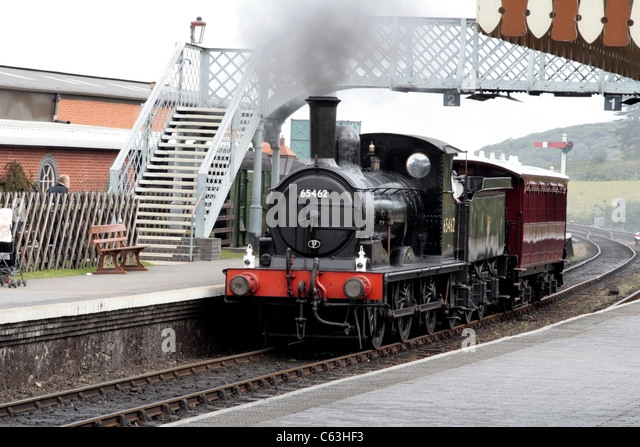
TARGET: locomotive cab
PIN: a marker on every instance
(425, 164)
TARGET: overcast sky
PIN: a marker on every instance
(134, 40)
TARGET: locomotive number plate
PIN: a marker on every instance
(319, 193)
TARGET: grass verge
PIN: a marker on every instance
(61, 273)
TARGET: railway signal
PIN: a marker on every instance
(565, 145)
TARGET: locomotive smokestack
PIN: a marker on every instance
(322, 122)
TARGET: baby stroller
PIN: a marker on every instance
(9, 256)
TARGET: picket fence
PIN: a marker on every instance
(51, 231)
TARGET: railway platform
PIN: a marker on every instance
(580, 373)
(75, 295)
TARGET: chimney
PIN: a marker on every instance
(322, 124)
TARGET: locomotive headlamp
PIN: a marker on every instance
(243, 285)
(249, 260)
(357, 287)
(361, 261)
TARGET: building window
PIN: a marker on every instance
(47, 173)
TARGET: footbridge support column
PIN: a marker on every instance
(255, 213)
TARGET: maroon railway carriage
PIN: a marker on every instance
(536, 210)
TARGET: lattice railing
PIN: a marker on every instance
(234, 137)
(194, 77)
(404, 54)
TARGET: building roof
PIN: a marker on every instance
(41, 134)
(13, 78)
(45, 134)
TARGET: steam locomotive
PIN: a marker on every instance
(382, 236)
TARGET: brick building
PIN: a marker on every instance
(54, 123)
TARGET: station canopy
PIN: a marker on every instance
(600, 33)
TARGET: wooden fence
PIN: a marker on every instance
(51, 231)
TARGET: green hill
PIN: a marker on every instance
(601, 151)
(603, 167)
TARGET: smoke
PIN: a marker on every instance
(311, 42)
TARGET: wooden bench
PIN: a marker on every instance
(114, 255)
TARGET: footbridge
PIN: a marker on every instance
(211, 106)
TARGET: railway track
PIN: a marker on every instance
(233, 380)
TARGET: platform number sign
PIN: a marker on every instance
(612, 102)
(451, 98)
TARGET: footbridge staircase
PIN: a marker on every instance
(211, 106)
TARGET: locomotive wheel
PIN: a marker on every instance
(428, 294)
(430, 319)
(402, 297)
(375, 327)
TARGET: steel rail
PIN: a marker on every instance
(36, 403)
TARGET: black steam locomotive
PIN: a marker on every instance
(385, 235)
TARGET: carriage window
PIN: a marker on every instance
(418, 165)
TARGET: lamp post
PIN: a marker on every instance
(197, 31)
(281, 160)
(286, 162)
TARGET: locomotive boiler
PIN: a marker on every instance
(378, 236)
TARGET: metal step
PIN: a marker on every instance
(158, 240)
(184, 145)
(191, 162)
(160, 214)
(190, 175)
(164, 223)
(183, 109)
(157, 182)
(184, 138)
(194, 124)
(164, 206)
(162, 232)
(172, 168)
(182, 192)
(180, 132)
(171, 154)
(163, 202)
